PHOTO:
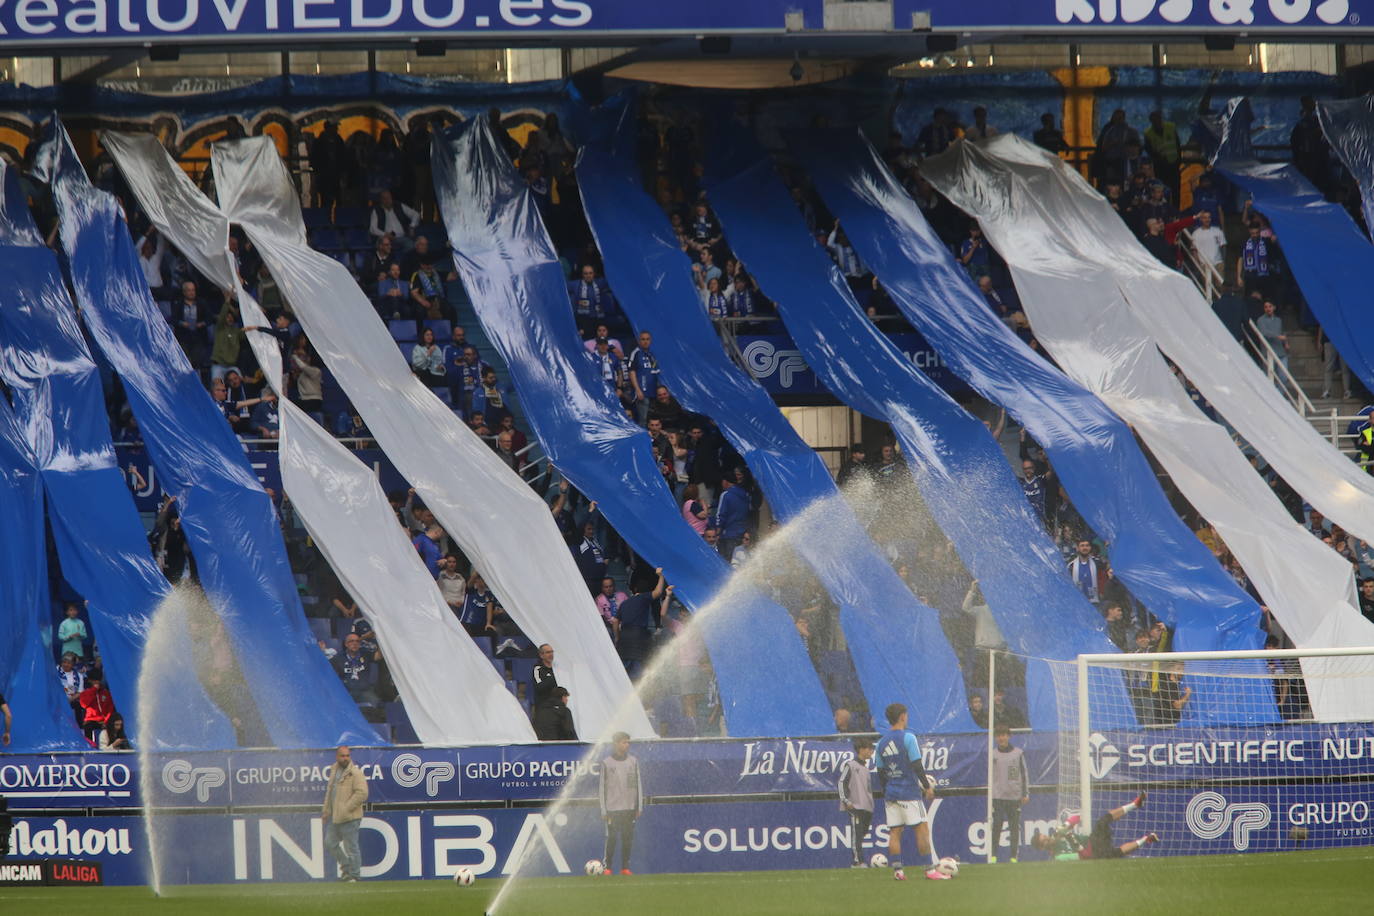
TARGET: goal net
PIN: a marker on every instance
(1238, 751)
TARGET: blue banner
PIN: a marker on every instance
(33, 22)
(511, 272)
(227, 517)
(1164, 15)
(900, 653)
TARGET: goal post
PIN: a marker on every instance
(1238, 751)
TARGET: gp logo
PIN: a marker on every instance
(1209, 817)
(408, 771)
(180, 776)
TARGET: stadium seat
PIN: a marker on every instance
(522, 670)
(352, 217)
(358, 240)
(444, 395)
(402, 331)
(484, 643)
(321, 628)
(441, 327)
(325, 239)
(402, 732)
(315, 217)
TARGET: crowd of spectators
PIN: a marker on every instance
(373, 210)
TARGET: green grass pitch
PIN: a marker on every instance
(1311, 883)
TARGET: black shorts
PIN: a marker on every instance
(1101, 843)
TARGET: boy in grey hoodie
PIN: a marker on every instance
(622, 800)
(1010, 790)
(856, 795)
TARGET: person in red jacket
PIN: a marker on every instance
(97, 704)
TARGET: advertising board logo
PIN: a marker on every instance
(1210, 817)
(1221, 12)
(180, 776)
(764, 360)
(408, 770)
(1102, 755)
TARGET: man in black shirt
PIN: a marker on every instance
(632, 624)
(545, 681)
(553, 721)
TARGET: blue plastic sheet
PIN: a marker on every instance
(1349, 128)
(1331, 259)
(100, 540)
(228, 519)
(1093, 451)
(898, 648)
(961, 471)
(511, 272)
(42, 719)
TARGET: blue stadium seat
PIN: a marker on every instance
(165, 308)
(402, 732)
(315, 217)
(358, 240)
(402, 331)
(441, 327)
(351, 217)
(321, 628)
(325, 239)
(484, 643)
(522, 669)
(444, 395)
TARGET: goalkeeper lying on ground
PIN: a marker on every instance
(1067, 843)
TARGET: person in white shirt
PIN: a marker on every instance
(151, 251)
(395, 220)
(1209, 241)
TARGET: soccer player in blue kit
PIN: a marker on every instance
(906, 789)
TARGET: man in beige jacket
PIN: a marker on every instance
(343, 813)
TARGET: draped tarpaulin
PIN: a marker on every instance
(512, 274)
(228, 519)
(500, 524)
(1170, 308)
(451, 693)
(961, 470)
(1349, 127)
(1330, 257)
(1080, 314)
(898, 648)
(42, 719)
(100, 540)
(1094, 454)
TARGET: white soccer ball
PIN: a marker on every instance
(948, 866)
(594, 867)
(878, 861)
(464, 877)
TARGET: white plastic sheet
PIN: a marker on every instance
(1082, 312)
(502, 526)
(1170, 308)
(451, 692)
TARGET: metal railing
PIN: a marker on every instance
(1206, 276)
(1277, 370)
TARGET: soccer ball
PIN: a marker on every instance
(593, 867)
(464, 877)
(948, 866)
(878, 861)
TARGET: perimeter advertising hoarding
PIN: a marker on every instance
(1160, 16)
(224, 779)
(688, 838)
(716, 768)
